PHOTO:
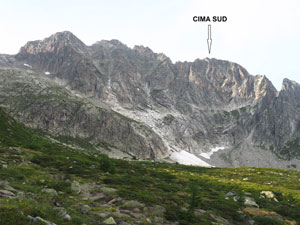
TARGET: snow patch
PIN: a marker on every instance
(187, 158)
(27, 65)
(207, 155)
(47, 73)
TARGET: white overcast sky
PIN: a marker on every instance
(261, 35)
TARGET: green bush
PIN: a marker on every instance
(260, 220)
(173, 213)
(12, 217)
(107, 165)
(194, 199)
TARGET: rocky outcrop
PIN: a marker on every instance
(279, 124)
(65, 57)
(42, 104)
(142, 102)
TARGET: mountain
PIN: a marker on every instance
(132, 102)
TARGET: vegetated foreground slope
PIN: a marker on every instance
(153, 108)
(45, 182)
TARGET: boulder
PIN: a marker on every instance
(199, 212)
(120, 214)
(134, 204)
(5, 185)
(63, 213)
(16, 149)
(85, 209)
(102, 214)
(268, 194)
(220, 219)
(108, 190)
(157, 209)
(39, 220)
(250, 202)
(75, 186)
(6, 194)
(67, 217)
(232, 195)
(49, 191)
(110, 220)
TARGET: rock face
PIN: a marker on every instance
(43, 104)
(142, 103)
(64, 56)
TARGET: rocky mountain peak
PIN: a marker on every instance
(109, 44)
(117, 43)
(289, 85)
(290, 90)
(143, 50)
(65, 35)
(263, 87)
(148, 53)
(54, 43)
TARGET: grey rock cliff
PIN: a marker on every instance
(192, 106)
(43, 104)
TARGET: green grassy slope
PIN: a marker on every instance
(186, 194)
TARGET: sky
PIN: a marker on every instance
(261, 35)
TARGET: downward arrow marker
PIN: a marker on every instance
(209, 40)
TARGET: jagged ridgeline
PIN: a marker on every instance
(134, 103)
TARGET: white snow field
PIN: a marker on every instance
(207, 155)
(187, 158)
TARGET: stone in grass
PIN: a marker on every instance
(219, 220)
(102, 214)
(63, 213)
(199, 212)
(5, 185)
(110, 220)
(120, 214)
(108, 190)
(250, 202)
(40, 220)
(85, 209)
(49, 191)
(75, 186)
(133, 204)
(67, 217)
(232, 195)
(18, 150)
(157, 209)
(6, 194)
(268, 194)
(136, 210)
